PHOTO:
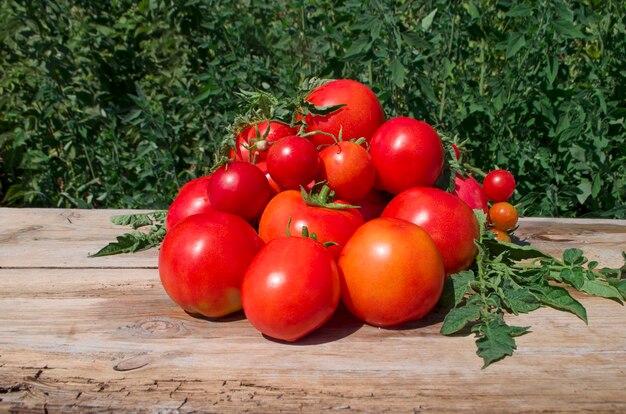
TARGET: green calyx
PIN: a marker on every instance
(305, 233)
(322, 196)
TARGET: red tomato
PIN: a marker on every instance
(203, 260)
(329, 225)
(262, 135)
(275, 188)
(391, 272)
(503, 216)
(406, 153)
(192, 199)
(239, 188)
(448, 220)
(348, 169)
(468, 190)
(293, 161)
(358, 119)
(291, 288)
(373, 204)
(499, 185)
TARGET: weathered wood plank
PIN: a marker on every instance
(110, 339)
(64, 238)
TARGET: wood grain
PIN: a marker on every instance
(106, 338)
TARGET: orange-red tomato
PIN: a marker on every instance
(503, 216)
(391, 272)
(329, 225)
(348, 169)
(291, 288)
(501, 235)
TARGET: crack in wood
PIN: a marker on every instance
(20, 386)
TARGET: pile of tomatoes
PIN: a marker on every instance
(340, 206)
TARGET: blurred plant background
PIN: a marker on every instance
(118, 103)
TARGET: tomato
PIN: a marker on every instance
(457, 152)
(501, 235)
(274, 187)
(445, 217)
(468, 190)
(499, 185)
(348, 169)
(329, 225)
(359, 118)
(391, 272)
(291, 288)
(203, 260)
(293, 161)
(503, 216)
(239, 188)
(372, 205)
(192, 199)
(406, 153)
(260, 135)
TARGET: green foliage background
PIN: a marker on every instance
(118, 103)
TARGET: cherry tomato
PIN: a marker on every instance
(192, 199)
(391, 272)
(503, 216)
(291, 288)
(203, 260)
(406, 153)
(260, 136)
(501, 235)
(468, 190)
(239, 188)
(359, 118)
(348, 169)
(499, 185)
(329, 225)
(445, 217)
(293, 161)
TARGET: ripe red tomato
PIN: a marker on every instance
(203, 260)
(445, 217)
(329, 225)
(406, 153)
(468, 190)
(503, 216)
(348, 169)
(359, 118)
(261, 135)
(499, 185)
(274, 188)
(391, 272)
(239, 188)
(291, 288)
(293, 161)
(192, 199)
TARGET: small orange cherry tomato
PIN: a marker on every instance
(503, 216)
(501, 235)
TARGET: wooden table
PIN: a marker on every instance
(101, 335)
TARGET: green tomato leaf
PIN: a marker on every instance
(457, 318)
(495, 340)
(140, 219)
(520, 301)
(559, 298)
(601, 288)
(515, 251)
(573, 257)
(428, 20)
(515, 42)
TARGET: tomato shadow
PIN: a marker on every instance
(436, 316)
(518, 241)
(339, 326)
(233, 317)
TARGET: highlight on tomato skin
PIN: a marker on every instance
(391, 272)
(291, 288)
